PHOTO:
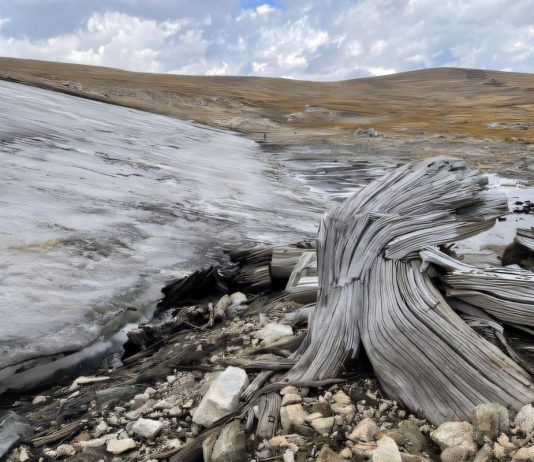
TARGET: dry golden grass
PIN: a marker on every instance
(445, 100)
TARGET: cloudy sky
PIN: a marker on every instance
(303, 39)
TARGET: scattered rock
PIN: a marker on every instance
(39, 399)
(222, 397)
(525, 418)
(387, 451)
(523, 454)
(323, 425)
(456, 441)
(288, 456)
(120, 446)
(414, 440)
(65, 450)
(24, 456)
(321, 407)
(147, 428)
(237, 298)
(289, 390)
(484, 454)
(292, 416)
(327, 455)
(291, 398)
(82, 380)
(101, 429)
(489, 420)
(230, 445)
(364, 431)
(272, 332)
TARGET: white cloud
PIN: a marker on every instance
(306, 39)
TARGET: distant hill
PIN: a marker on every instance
(451, 101)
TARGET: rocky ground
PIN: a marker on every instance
(182, 389)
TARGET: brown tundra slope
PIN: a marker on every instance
(446, 101)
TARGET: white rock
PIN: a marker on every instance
(292, 415)
(523, 454)
(291, 398)
(341, 398)
(23, 455)
(452, 434)
(65, 450)
(237, 298)
(364, 431)
(289, 390)
(223, 396)
(120, 446)
(323, 425)
(166, 403)
(147, 428)
(101, 429)
(525, 418)
(456, 441)
(39, 399)
(288, 456)
(387, 451)
(86, 380)
(272, 332)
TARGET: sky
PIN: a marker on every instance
(299, 39)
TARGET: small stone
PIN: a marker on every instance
(288, 456)
(456, 441)
(523, 454)
(414, 440)
(223, 396)
(387, 451)
(272, 332)
(322, 407)
(171, 378)
(323, 425)
(364, 431)
(315, 415)
(525, 418)
(24, 456)
(65, 450)
(230, 445)
(289, 390)
(327, 455)
(277, 441)
(484, 454)
(341, 398)
(224, 302)
(450, 434)
(120, 446)
(291, 416)
(347, 411)
(505, 442)
(40, 399)
(489, 420)
(498, 451)
(346, 453)
(166, 403)
(237, 298)
(86, 380)
(291, 398)
(147, 428)
(101, 428)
